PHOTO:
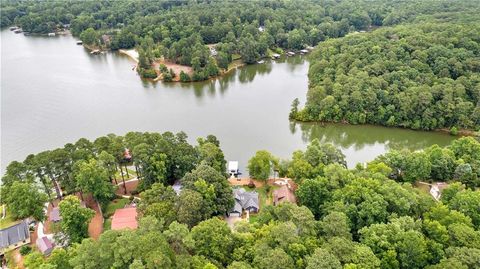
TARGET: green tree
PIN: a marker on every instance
(75, 218)
(261, 165)
(213, 239)
(93, 178)
(24, 200)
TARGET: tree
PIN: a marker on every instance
(75, 218)
(212, 185)
(93, 178)
(273, 259)
(158, 201)
(260, 166)
(191, 208)
(213, 239)
(335, 224)
(24, 200)
(89, 36)
(322, 259)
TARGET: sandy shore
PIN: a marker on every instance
(132, 53)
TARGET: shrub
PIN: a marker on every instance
(24, 250)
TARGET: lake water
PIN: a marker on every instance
(55, 92)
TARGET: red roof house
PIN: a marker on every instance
(125, 218)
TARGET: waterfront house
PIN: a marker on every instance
(125, 218)
(14, 236)
(244, 200)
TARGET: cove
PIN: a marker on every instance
(55, 92)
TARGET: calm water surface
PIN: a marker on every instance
(55, 92)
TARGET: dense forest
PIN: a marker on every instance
(423, 75)
(178, 31)
(371, 216)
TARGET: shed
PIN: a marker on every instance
(125, 218)
(44, 245)
(14, 236)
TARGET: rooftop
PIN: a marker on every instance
(14, 234)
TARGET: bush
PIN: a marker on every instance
(454, 130)
(24, 250)
(184, 77)
(147, 73)
(167, 77)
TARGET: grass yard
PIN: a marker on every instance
(114, 205)
(7, 221)
(131, 174)
(107, 224)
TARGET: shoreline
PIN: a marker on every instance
(461, 132)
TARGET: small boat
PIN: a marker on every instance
(290, 53)
(79, 42)
(95, 52)
(51, 34)
(275, 56)
(13, 28)
(261, 62)
(303, 51)
(18, 31)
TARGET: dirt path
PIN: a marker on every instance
(18, 258)
(95, 227)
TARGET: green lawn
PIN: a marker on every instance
(114, 205)
(107, 224)
(7, 221)
(131, 174)
(236, 57)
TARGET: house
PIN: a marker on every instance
(283, 194)
(244, 200)
(44, 245)
(54, 215)
(14, 236)
(125, 218)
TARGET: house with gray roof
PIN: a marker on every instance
(244, 200)
(14, 236)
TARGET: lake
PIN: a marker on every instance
(54, 92)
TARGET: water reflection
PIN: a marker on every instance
(359, 136)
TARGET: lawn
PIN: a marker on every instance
(131, 174)
(7, 221)
(107, 224)
(114, 205)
